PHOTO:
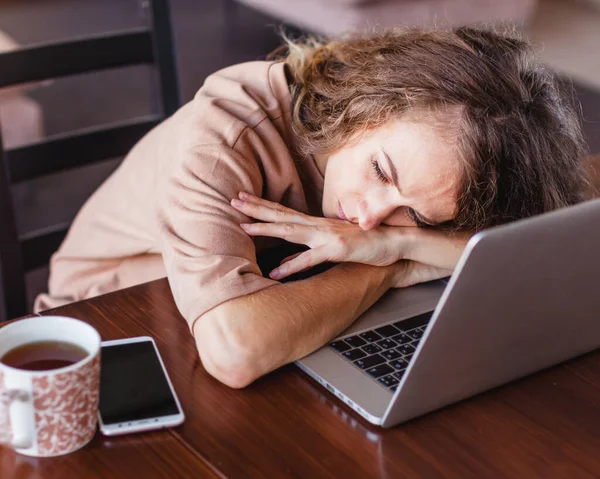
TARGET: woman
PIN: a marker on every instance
(381, 153)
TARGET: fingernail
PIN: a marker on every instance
(245, 225)
(275, 274)
(235, 202)
(243, 195)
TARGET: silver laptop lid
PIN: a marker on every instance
(524, 296)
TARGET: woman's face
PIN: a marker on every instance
(403, 174)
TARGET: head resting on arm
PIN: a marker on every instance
(518, 139)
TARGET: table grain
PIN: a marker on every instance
(286, 425)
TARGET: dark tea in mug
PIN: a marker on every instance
(44, 355)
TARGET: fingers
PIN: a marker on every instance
(300, 262)
(294, 233)
(287, 258)
(265, 210)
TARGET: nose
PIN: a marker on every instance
(371, 214)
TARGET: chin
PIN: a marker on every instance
(327, 213)
(329, 206)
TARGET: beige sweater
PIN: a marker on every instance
(165, 211)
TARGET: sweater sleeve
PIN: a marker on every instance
(208, 257)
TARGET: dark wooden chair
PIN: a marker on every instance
(152, 45)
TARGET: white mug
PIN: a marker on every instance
(51, 412)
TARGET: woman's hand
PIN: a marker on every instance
(330, 240)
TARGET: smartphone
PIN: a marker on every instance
(136, 393)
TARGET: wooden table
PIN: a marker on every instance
(285, 425)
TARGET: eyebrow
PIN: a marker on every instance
(394, 174)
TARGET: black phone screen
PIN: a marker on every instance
(133, 385)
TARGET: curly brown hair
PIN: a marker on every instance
(518, 136)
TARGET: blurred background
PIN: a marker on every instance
(210, 34)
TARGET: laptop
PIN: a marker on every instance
(524, 296)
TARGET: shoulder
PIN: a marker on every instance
(247, 90)
(256, 74)
(234, 119)
(232, 103)
(253, 73)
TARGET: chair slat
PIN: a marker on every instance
(38, 246)
(77, 149)
(164, 53)
(149, 45)
(12, 286)
(58, 59)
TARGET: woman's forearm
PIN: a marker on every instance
(250, 336)
(435, 248)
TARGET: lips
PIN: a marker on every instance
(341, 212)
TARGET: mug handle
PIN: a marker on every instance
(7, 436)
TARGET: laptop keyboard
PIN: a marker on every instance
(384, 353)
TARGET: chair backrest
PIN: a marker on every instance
(153, 45)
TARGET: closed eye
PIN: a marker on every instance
(414, 217)
(377, 170)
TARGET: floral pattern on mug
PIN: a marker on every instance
(66, 407)
(5, 435)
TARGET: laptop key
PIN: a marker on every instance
(387, 343)
(398, 374)
(387, 331)
(370, 361)
(398, 364)
(391, 354)
(408, 357)
(354, 354)
(370, 336)
(355, 341)
(340, 346)
(393, 388)
(406, 349)
(388, 381)
(402, 338)
(414, 322)
(371, 349)
(380, 370)
(415, 334)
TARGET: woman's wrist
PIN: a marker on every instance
(400, 242)
(384, 275)
(436, 248)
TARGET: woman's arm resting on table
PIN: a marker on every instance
(247, 337)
